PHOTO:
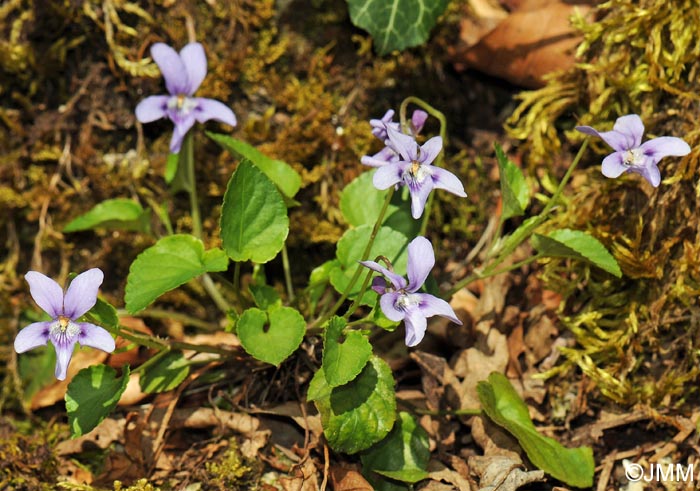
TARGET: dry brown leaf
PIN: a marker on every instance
(102, 436)
(438, 472)
(348, 479)
(502, 473)
(304, 477)
(531, 42)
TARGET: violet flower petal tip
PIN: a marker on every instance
(64, 353)
(416, 325)
(81, 295)
(651, 174)
(431, 306)
(46, 293)
(430, 150)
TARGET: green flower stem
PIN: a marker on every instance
(501, 255)
(287, 273)
(177, 316)
(214, 293)
(356, 303)
(187, 160)
(365, 255)
(164, 344)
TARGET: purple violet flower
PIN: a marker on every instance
(400, 302)
(379, 126)
(183, 74)
(414, 169)
(63, 331)
(631, 155)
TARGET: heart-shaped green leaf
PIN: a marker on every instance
(113, 214)
(360, 413)
(271, 336)
(573, 466)
(165, 373)
(403, 455)
(91, 396)
(514, 191)
(388, 243)
(577, 245)
(169, 263)
(343, 359)
(254, 223)
(281, 173)
(396, 24)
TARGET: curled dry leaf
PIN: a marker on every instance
(502, 473)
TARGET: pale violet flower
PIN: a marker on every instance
(399, 300)
(183, 73)
(631, 155)
(63, 330)
(414, 169)
(379, 126)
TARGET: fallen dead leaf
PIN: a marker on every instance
(534, 40)
(348, 479)
(102, 436)
(502, 473)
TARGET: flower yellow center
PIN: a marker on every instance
(63, 322)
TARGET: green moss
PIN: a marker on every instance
(230, 471)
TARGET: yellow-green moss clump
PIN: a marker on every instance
(638, 338)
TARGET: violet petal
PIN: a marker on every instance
(398, 282)
(430, 306)
(416, 324)
(46, 293)
(632, 127)
(179, 132)
(195, 62)
(418, 119)
(421, 260)
(404, 145)
(650, 173)
(207, 109)
(613, 166)
(444, 179)
(419, 195)
(81, 295)
(387, 302)
(664, 146)
(152, 108)
(616, 140)
(64, 352)
(95, 337)
(389, 175)
(430, 150)
(172, 68)
(32, 336)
